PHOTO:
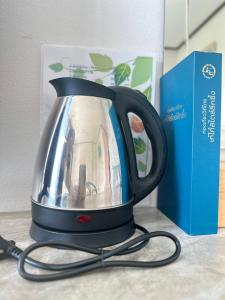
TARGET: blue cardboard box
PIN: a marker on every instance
(190, 106)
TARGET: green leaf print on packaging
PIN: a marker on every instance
(57, 67)
(79, 73)
(121, 73)
(141, 166)
(99, 80)
(139, 145)
(148, 93)
(142, 70)
(101, 62)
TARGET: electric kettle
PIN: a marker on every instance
(86, 180)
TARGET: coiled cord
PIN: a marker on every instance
(99, 261)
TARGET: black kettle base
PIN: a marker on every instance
(97, 239)
(91, 228)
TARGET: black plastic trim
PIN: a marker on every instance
(67, 86)
(97, 239)
(67, 220)
(128, 100)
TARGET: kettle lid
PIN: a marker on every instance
(66, 86)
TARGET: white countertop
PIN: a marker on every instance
(198, 274)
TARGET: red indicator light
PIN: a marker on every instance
(83, 219)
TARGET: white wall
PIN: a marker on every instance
(25, 26)
(170, 60)
(213, 31)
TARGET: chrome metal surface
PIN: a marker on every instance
(81, 161)
(143, 143)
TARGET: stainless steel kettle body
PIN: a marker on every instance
(81, 162)
(85, 178)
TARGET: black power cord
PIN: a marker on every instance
(99, 261)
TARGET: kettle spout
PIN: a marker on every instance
(64, 86)
(68, 86)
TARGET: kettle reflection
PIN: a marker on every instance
(84, 165)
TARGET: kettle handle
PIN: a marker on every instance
(128, 100)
